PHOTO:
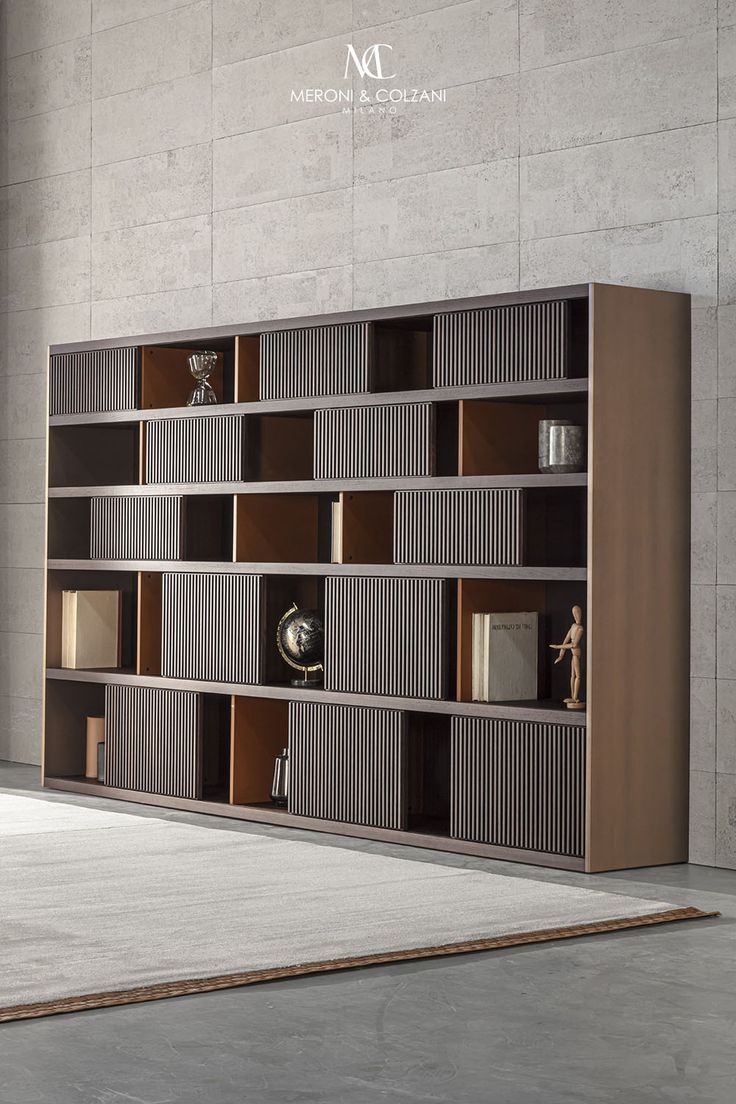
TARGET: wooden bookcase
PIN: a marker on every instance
(595, 790)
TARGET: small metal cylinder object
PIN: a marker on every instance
(280, 784)
(101, 761)
(561, 446)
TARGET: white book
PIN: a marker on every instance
(477, 657)
(336, 556)
(90, 628)
(512, 657)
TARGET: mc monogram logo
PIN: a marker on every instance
(369, 65)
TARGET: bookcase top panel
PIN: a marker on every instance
(211, 337)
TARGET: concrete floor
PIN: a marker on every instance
(635, 1017)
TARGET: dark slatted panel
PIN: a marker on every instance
(153, 741)
(458, 527)
(195, 450)
(518, 784)
(348, 763)
(104, 379)
(363, 442)
(212, 627)
(501, 344)
(320, 360)
(385, 636)
(133, 528)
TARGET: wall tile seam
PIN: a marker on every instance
(710, 31)
(48, 46)
(298, 195)
(45, 241)
(149, 295)
(466, 3)
(39, 114)
(623, 138)
(144, 18)
(633, 226)
(143, 88)
(97, 234)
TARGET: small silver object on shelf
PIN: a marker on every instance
(202, 365)
(280, 784)
(561, 446)
(101, 761)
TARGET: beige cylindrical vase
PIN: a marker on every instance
(95, 736)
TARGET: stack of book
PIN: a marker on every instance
(505, 656)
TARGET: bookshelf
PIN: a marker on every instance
(418, 425)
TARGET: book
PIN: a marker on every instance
(90, 628)
(336, 548)
(505, 656)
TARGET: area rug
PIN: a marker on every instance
(100, 908)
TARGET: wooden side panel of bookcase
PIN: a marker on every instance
(637, 620)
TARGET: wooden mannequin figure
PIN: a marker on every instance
(571, 644)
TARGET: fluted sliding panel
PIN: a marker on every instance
(100, 380)
(385, 636)
(212, 626)
(348, 763)
(501, 344)
(363, 442)
(207, 449)
(318, 360)
(136, 528)
(459, 527)
(518, 784)
(153, 741)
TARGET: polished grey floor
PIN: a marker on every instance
(629, 1018)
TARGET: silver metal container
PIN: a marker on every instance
(280, 784)
(561, 446)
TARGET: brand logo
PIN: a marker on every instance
(368, 98)
(370, 63)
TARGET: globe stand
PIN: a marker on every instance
(306, 683)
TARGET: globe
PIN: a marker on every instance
(300, 638)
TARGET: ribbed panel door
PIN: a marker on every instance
(212, 627)
(348, 763)
(206, 449)
(501, 344)
(97, 381)
(364, 442)
(518, 784)
(128, 528)
(385, 636)
(320, 360)
(153, 741)
(459, 527)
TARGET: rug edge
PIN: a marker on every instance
(192, 987)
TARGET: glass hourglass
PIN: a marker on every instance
(202, 365)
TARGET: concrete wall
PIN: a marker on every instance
(157, 176)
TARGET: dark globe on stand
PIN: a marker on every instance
(300, 638)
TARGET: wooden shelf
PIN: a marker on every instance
(269, 814)
(521, 711)
(546, 391)
(441, 571)
(310, 486)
